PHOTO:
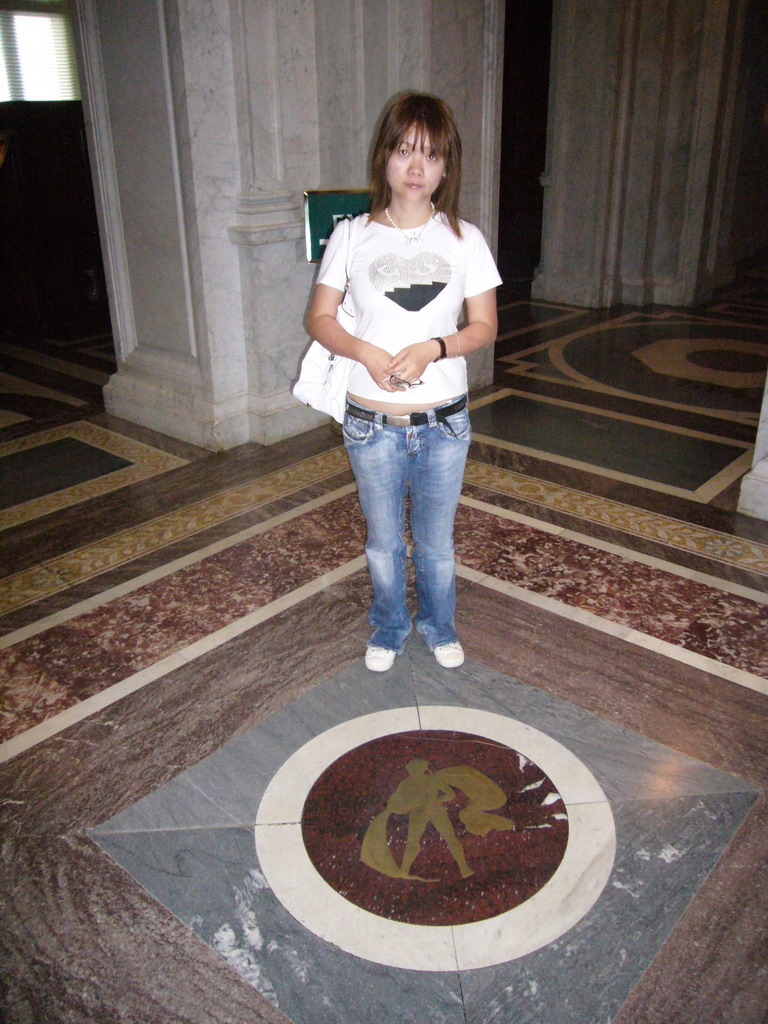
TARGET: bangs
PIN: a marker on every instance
(426, 128)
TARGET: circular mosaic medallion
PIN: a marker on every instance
(435, 838)
(434, 827)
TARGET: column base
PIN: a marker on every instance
(215, 426)
(186, 416)
(753, 497)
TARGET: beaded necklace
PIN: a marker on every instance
(412, 239)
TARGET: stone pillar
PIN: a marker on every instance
(160, 106)
(643, 136)
(277, 124)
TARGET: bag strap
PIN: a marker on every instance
(352, 230)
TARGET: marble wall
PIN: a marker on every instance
(200, 173)
(643, 143)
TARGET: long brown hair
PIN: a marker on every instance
(427, 116)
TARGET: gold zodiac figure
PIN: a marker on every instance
(421, 795)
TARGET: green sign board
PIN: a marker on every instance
(323, 208)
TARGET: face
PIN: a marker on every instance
(414, 170)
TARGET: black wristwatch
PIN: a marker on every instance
(443, 349)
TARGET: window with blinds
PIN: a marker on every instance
(37, 53)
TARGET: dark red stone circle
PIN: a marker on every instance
(509, 865)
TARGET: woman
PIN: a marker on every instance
(406, 427)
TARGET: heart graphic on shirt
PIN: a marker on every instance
(411, 283)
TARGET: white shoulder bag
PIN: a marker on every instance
(324, 376)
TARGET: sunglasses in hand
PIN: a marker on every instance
(397, 382)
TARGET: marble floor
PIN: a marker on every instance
(211, 811)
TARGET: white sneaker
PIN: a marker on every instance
(449, 655)
(379, 659)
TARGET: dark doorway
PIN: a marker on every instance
(527, 45)
(51, 272)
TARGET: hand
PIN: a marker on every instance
(411, 362)
(376, 361)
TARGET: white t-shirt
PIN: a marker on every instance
(404, 293)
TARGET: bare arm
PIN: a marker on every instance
(323, 325)
(481, 329)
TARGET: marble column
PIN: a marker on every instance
(643, 140)
(160, 112)
(272, 45)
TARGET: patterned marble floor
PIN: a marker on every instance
(190, 746)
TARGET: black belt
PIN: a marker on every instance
(413, 419)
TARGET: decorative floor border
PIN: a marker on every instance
(673, 533)
(67, 570)
(74, 567)
(145, 460)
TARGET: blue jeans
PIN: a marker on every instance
(427, 460)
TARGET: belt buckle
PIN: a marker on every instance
(399, 421)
